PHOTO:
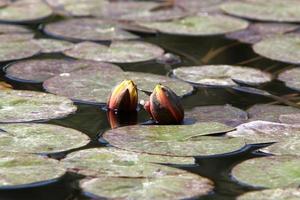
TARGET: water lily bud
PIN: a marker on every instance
(124, 97)
(165, 106)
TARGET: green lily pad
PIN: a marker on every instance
(117, 52)
(221, 75)
(25, 11)
(53, 46)
(25, 106)
(198, 25)
(116, 162)
(269, 172)
(271, 194)
(94, 86)
(11, 28)
(166, 187)
(267, 10)
(87, 29)
(284, 48)
(14, 50)
(258, 31)
(40, 138)
(270, 113)
(24, 170)
(39, 70)
(291, 78)
(226, 114)
(290, 118)
(174, 140)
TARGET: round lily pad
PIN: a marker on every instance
(291, 78)
(24, 106)
(116, 162)
(270, 113)
(87, 29)
(40, 138)
(25, 11)
(284, 48)
(39, 70)
(117, 52)
(174, 140)
(226, 114)
(14, 50)
(271, 194)
(258, 31)
(221, 75)
(11, 28)
(269, 172)
(24, 170)
(198, 25)
(166, 187)
(53, 46)
(94, 86)
(267, 10)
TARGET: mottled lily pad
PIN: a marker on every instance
(270, 113)
(53, 46)
(269, 172)
(271, 194)
(267, 10)
(94, 86)
(87, 29)
(25, 170)
(116, 162)
(226, 114)
(291, 78)
(40, 138)
(117, 52)
(198, 25)
(11, 28)
(166, 187)
(39, 70)
(258, 31)
(221, 75)
(25, 11)
(24, 106)
(284, 48)
(174, 140)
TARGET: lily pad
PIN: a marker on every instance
(221, 75)
(166, 187)
(11, 28)
(15, 37)
(207, 6)
(291, 78)
(269, 172)
(290, 118)
(116, 162)
(258, 31)
(174, 140)
(117, 52)
(24, 170)
(39, 70)
(53, 46)
(282, 48)
(25, 106)
(267, 10)
(270, 113)
(271, 194)
(94, 86)
(25, 11)
(226, 114)
(87, 29)
(200, 25)
(40, 138)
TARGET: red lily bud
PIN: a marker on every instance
(124, 97)
(165, 106)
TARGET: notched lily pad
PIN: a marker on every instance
(24, 170)
(40, 138)
(291, 78)
(221, 75)
(25, 106)
(39, 70)
(269, 172)
(271, 194)
(117, 52)
(53, 46)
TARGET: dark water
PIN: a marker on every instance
(92, 119)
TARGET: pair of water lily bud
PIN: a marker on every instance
(164, 105)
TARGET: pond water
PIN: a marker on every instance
(92, 119)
